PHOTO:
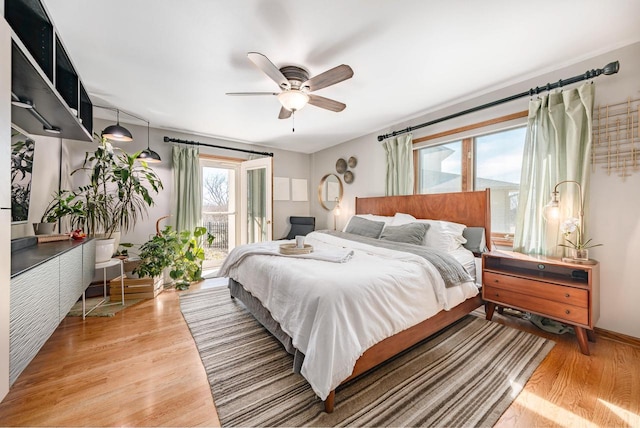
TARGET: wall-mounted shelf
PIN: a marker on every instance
(42, 73)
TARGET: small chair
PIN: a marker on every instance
(301, 226)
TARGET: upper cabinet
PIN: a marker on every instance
(48, 95)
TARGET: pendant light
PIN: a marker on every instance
(117, 132)
(147, 154)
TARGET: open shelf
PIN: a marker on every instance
(43, 74)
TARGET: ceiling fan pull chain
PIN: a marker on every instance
(293, 121)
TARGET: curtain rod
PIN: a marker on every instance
(608, 69)
(197, 143)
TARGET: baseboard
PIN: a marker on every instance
(618, 337)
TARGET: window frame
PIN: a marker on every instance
(518, 119)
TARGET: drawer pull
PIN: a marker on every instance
(496, 280)
(567, 295)
(497, 294)
(567, 312)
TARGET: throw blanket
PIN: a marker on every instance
(451, 270)
(272, 248)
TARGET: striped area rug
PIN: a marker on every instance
(467, 375)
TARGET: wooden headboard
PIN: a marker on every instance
(469, 208)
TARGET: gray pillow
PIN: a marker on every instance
(476, 242)
(363, 227)
(410, 233)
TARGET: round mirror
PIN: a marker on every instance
(330, 191)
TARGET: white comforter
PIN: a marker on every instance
(335, 311)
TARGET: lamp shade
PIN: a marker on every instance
(551, 211)
(293, 100)
(117, 133)
(150, 156)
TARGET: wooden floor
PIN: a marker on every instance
(141, 368)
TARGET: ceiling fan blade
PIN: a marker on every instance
(329, 77)
(326, 103)
(242, 94)
(284, 113)
(274, 73)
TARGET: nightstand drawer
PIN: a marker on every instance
(544, 290)
(527, 302)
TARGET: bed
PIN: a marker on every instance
(374, 315)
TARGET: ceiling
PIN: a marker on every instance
(172, 62)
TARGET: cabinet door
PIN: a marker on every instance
(88, 263)
(34, 313)
(71, 280)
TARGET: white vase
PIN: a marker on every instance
(104, 249)
(43, 228)
(581, 254)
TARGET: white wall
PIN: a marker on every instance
(285, 164)
(614, 214)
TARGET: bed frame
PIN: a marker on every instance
(469, 208)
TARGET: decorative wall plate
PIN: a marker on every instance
(348, 177)
(341, 166)
(352, 162)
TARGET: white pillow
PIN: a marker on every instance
(386, 220)
(442, 235)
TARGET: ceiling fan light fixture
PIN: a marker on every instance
(293, 100)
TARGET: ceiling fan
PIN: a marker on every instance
(296, 86)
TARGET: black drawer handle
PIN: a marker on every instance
(496, 280)
(567, 295)
(497, 294)
(567, 312)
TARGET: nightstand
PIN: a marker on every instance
(566, 292)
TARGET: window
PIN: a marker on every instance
(440, 168)
(496, 159)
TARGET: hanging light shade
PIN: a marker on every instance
(293, 100)
(147, 154)
(150, 156)
(117, 132)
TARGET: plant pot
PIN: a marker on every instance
(43, 228)
(581, 254)
(104, 249)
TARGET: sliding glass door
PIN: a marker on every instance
(256, 201)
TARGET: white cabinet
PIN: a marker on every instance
(71, 270)
(41, 297)
(34, 313)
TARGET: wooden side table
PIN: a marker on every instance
(566, 292)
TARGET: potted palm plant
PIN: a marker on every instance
(117, 195)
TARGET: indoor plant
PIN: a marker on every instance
(181, 252)
(116, 196)
(580, 245)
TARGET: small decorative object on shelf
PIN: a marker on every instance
(579, 246)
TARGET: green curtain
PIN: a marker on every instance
(399, 152)
(187, 188)
(557, 148)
